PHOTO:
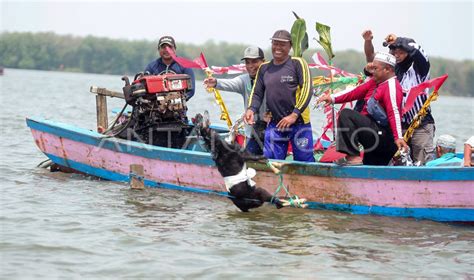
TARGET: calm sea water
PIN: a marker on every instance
(55, 225)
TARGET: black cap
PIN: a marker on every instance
(281, 35)
(166, 40)
(400, 44)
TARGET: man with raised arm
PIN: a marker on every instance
(378, 126)
(242, 84)
(412, 69)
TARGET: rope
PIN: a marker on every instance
(45, 163)
(293, 200)
(116, 119)
(136, 176)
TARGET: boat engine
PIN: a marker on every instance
(159, 109)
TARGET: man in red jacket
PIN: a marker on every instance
(378, 126)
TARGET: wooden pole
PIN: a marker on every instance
(106, 92)
(136, 177)
(333, 112)
(102, 119)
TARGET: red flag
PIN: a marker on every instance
(420, 89)
(318, 146)
(331, 154)
(201, 61)
(185, 62)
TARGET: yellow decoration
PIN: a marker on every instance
(417, 120)
(217, 95)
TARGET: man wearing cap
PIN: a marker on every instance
(412, 69)
(378, 126)
(166, 64)
(253, 57)
(285, 83)
(445, 152)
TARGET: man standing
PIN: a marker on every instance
(165, 63)
(378, 126)
(172, 132)
(285, 83)
(242, 84)
(412, 69)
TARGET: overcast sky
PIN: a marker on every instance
(442, 28)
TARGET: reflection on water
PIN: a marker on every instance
(56, 225)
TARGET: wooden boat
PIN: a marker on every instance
(441, 194)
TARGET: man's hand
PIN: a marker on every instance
(370, 68)
(326, 98)
(401, 144)
(249, 117)
(287, 121)
(210, 82)
(367, 35)
(390, 39)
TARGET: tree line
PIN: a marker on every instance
(49, 51)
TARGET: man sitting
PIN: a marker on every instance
(378, 126)
(445, 152)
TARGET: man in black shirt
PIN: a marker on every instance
(285, 81)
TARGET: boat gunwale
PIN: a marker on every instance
(401, 173)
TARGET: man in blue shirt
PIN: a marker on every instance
(172, 132)
(165, 64)
(446, 152)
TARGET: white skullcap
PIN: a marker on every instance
(385, 58)
(446, 141)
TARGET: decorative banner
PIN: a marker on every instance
(196, 63)
(201, 63)
(233, 69)
(320, 63)
(420, 89)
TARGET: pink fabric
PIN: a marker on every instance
(320, 63)
(185, 62)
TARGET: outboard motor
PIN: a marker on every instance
(159, 109)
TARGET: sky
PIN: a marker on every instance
(442, 28)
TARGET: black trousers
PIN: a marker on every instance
(354, 128)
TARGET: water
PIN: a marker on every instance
(56, 225)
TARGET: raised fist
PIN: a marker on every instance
(367, 35)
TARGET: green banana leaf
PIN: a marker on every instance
(299, 37)
(324, 32)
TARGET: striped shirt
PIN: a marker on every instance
(414, 70)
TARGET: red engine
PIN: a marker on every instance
(157, 84)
